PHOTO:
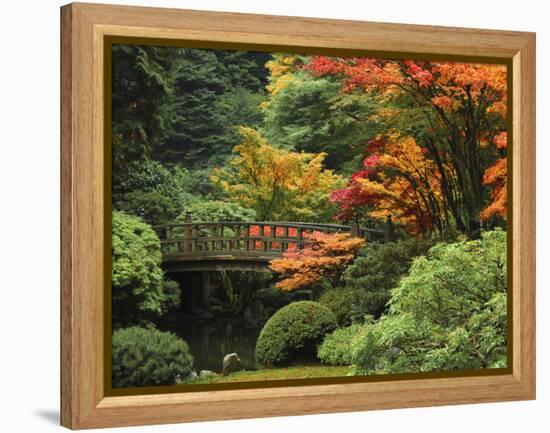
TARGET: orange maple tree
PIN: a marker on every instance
(325, 257)
(496, 176)
(464, 107)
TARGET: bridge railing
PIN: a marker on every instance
(264, 238)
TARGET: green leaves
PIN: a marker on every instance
(147, 357)
(296, 329)
(138, 291)
(448, 313)
(313, 115)
(376, 271)
(454, 280)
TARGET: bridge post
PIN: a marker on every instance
(355, 229)
(284, 245)
(188, 232)
(388, 230)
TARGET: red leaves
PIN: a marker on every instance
(323, 65)
(423, 77)
(501, 140)
(371, 161)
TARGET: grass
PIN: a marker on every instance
(292, 372)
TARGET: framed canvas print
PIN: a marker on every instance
(270, 216)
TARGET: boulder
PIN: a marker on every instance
(192, 375)
(230, 363)
(206, 373)
(179, 380)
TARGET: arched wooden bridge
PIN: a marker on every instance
(196, 246)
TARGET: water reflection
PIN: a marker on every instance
(209, 342)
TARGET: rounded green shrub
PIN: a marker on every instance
(148, 357)
(294, 330)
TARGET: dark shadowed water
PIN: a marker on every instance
(210, 342)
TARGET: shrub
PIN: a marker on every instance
(138, 292)
(152, 176)
(336, 347)
(376, 271)
(148, 357)
(340, 301)
(152, 206)
(449, 313)
(296, 329)
(175, 185)
(217, 210)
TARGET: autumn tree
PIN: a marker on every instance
(398, 181)
(463, 108)
(326, 257)
(276, 183)
(496, 176)
(282, 68)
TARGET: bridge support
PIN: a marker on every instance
(196, 289)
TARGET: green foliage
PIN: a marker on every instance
(152, 191)
(341, 302)
(137, 279)
(172, 295)
(217, 210)
(148, 357)
(449, 313)
(376, 271)
(153, 207)
(215, 91)
(181, 105)
(453, 280)
(235, 289)
(335, 348)
(314, 115)
(144, 101)
(294, 330)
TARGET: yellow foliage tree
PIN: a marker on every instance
(281, 70)
(278, 184)
(404, 184)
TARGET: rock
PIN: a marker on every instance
(178, 380)
(206, 373)
(192, 375)
(230, 363)
(393, 352)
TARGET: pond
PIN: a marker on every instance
(209, 342)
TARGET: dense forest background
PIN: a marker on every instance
(214, 135)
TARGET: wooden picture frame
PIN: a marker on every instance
(84, 401)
